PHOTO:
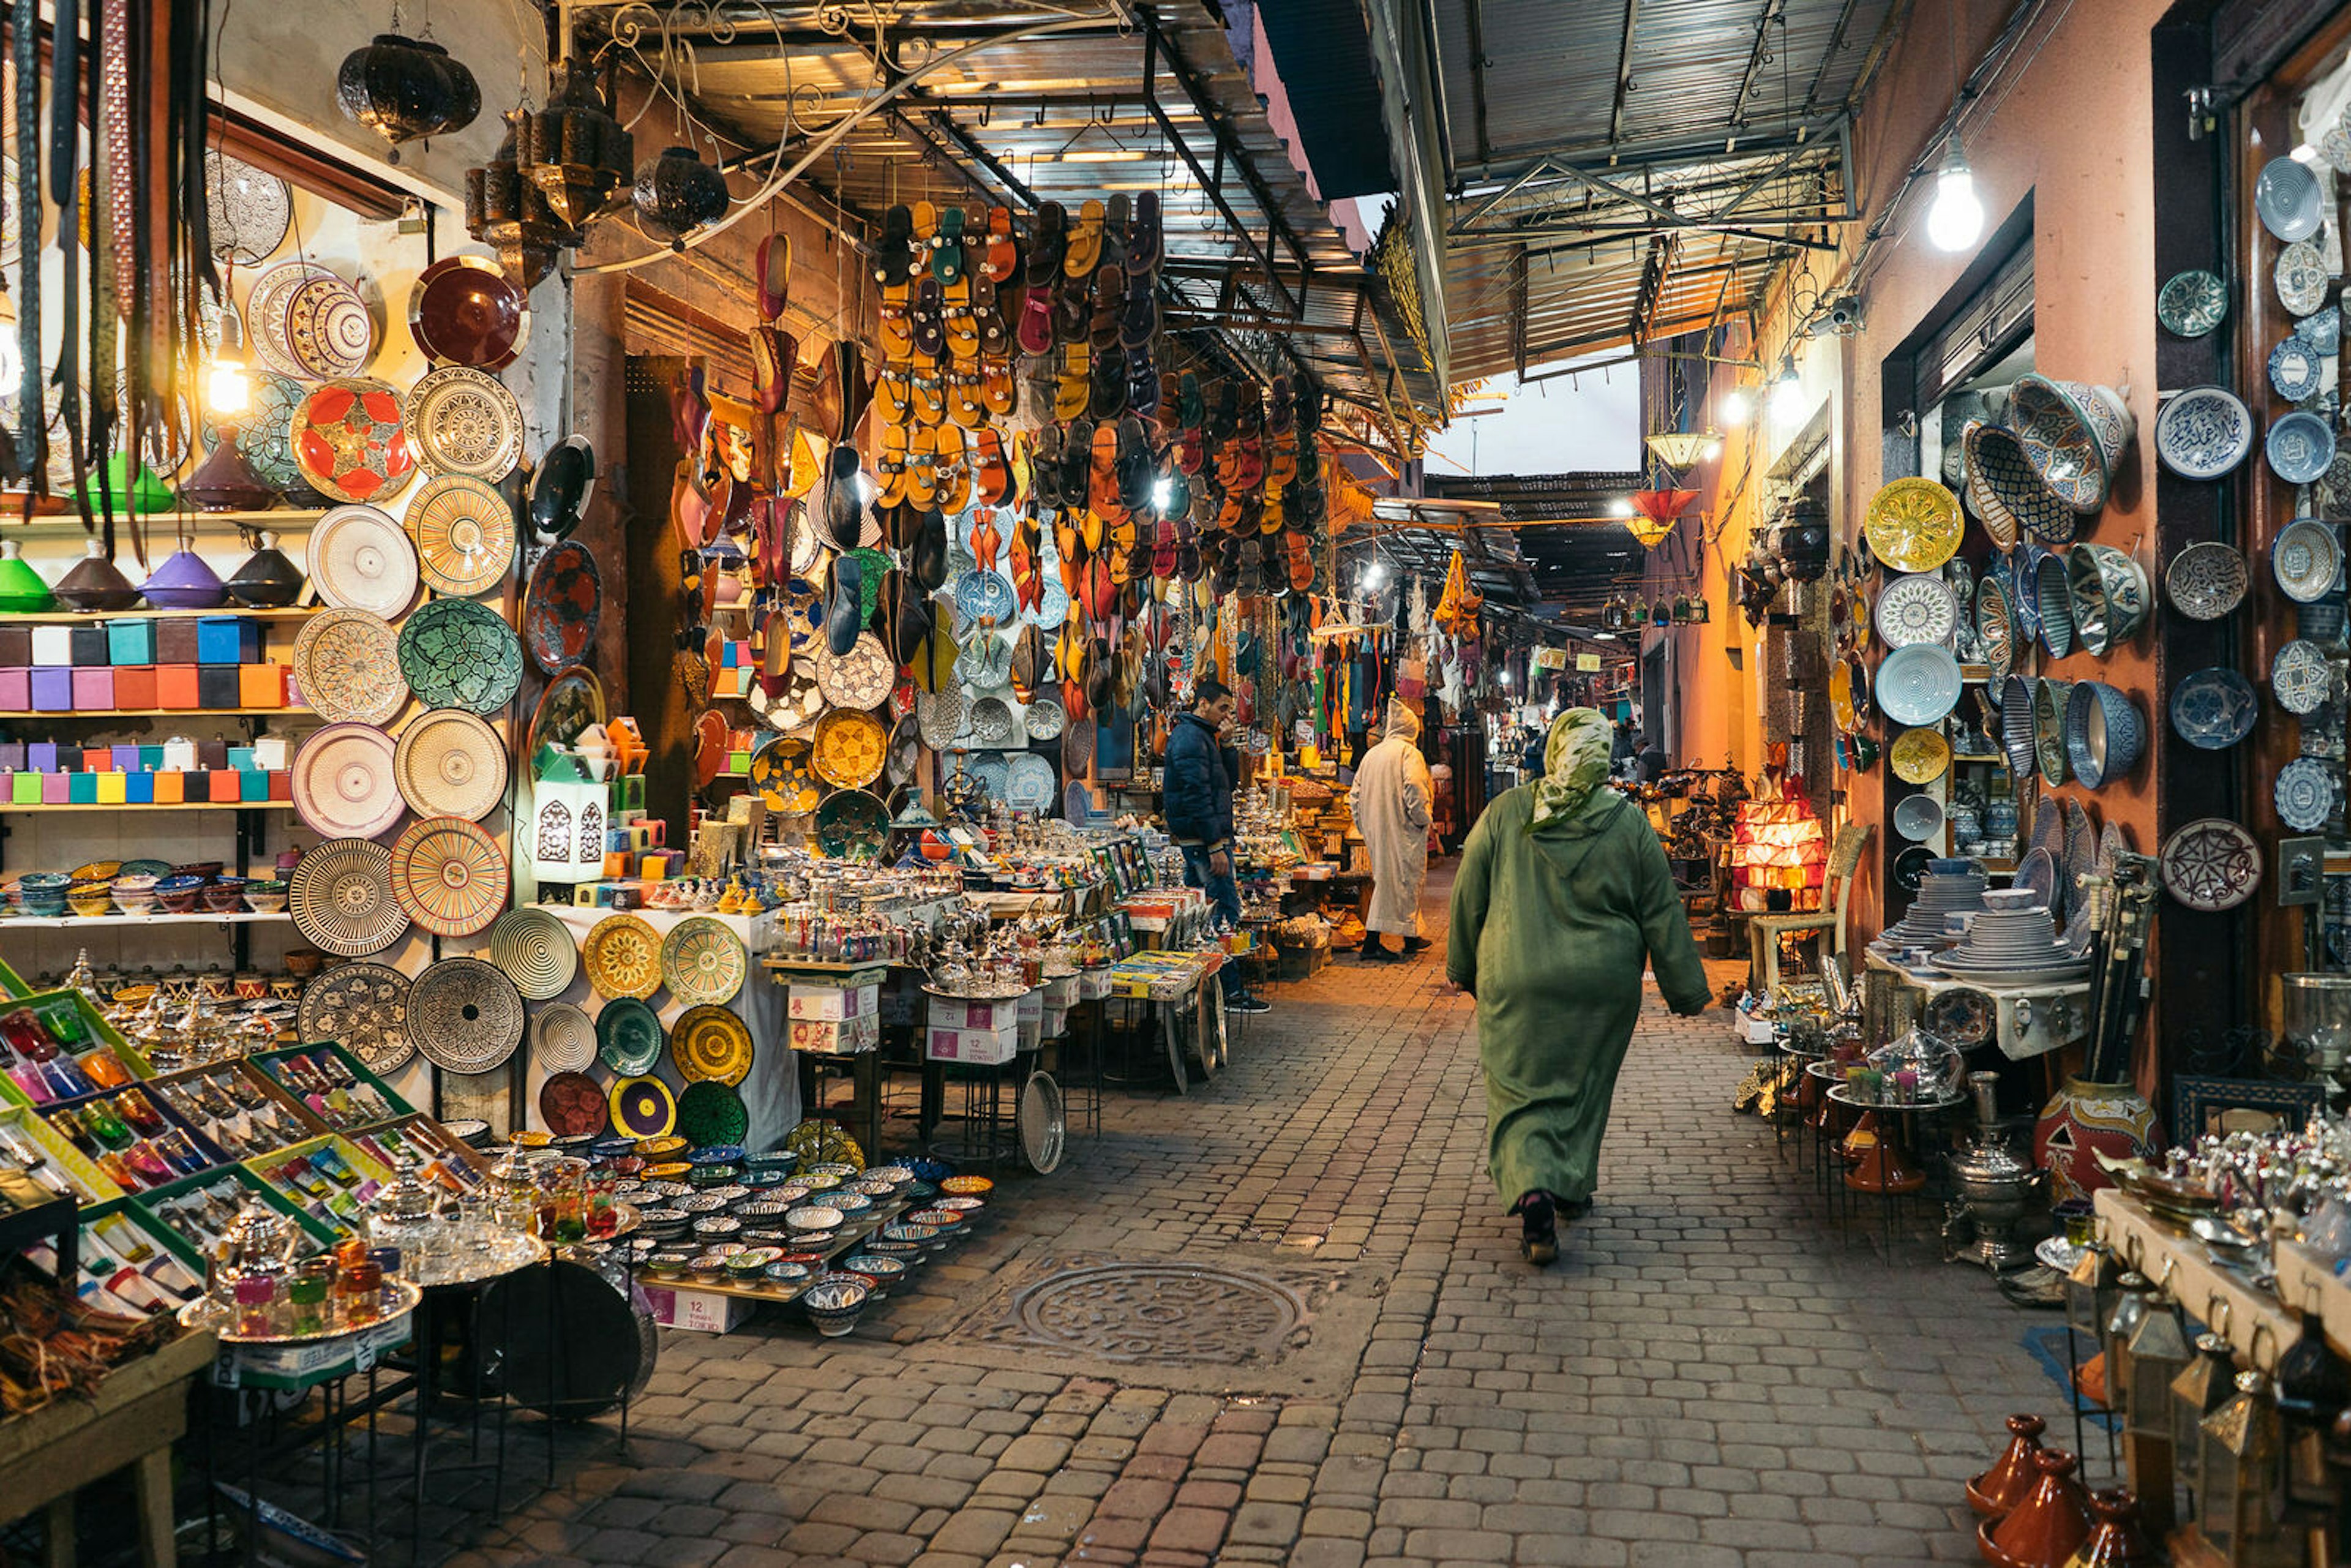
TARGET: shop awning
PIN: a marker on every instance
(998, 104)
(1623, 170)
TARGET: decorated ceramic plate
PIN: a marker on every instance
(2300, 448)
(267, 305)
(1920, 607)
(781, 773)
(2214, 708)
(344, 782)
(629, 1036)
(906, 752)
(361, 558)
(328, 329)
(1914, 525)
(347, 663)
(2203, 433)
(2211, 864)
(818, 1141)
(248, 211)
(1043, 719)
(464, 311)
(458, 654)
(711, 1114)
(2287, 199)
(362, 1007)
(449, 876)
(2206, 580)
(993, 773)
(1996, 630)
(562, 606)
(941, 717)
(451, 763)
(859, 679)
(465, 534)
(983, 596)
(642, 1108)
(852, 825)
(562, 1037)
(572, 701)
(2307, 558)
(623, 953)
(1919, 685)
(2301, 677)
(849, 749)
(2305, 794)
(572, 1105)
(1848, 696)
(465, 420)
(2191, 303)
(1029, 783)
(341, 900)
(2301, 278)
(465, 1016)
(2294, 368)
(351, 440)
(2322, 330)
(536, 950)
(704, 963)
(991, 723)
(1920, 755)
(711, 1043)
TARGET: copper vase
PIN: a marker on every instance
(2045, 1529)
(2116, 1541)
(1999, 1490)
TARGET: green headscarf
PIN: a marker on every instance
(1575, 764)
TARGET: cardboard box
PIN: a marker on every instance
(261, 686)
(1093, 984)
(56, 789)
(113, 789)
(93, 688)
(836, 1037)
(15, 644)
(817, 1001)
(170, 787)
(24, 788)
(175, 687)
(704, 1311)
(1060, 991)
(52, 645)
(957, 1013)
(131, 641)
(135, 687)
(226, 787)
(139, 789)
(227, 639)
(81, 789)
(281, 784)
(973, 1047)
(95, 759)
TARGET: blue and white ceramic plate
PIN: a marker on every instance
(984, 596)
(2300, 448)
(1029, 783)
(2214, 708)
(2304, 793)
(2203, 433)
(2191, 303)
(2300, 677)
(2295, 370)
(2301, 278)
(1919, 685)
(2307, 558)
(2287, 199)
(2323, 329)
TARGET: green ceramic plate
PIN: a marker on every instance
(629, 1037)
(458, 654)
(852, 825)
(711, 1113)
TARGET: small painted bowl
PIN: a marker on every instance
(834, 1303)
(968, 1187)
(878, 1270)
(2103, 732)
(908, 1252)
(265, 897)
(2109, 593)
(849, 1203)
(708, 1266)
(813, 1217)
(834, 1169)
(751, 1260)
(224, 895)
(178, 895)
(668, 1265)
(915, 1235)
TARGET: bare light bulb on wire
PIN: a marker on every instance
(1738, 406)
(1955, 221)
(1787, 390)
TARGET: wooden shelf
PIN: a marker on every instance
(163, 527)
(79, 617)
(9, 810)
(94, 922)
(295, 709)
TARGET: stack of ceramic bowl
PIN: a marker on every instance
(2013, 941)
(1949, 887)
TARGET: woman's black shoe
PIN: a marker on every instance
(1539, 1238)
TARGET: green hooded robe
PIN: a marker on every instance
(1551, 929)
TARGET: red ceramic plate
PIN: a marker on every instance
(351, 440)
(561, 607)
(464, 311)
(571, 1105)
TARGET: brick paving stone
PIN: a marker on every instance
(1723, 1368)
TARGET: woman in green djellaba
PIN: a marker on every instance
(1563, 896)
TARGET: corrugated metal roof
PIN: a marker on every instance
(1583, 138)
(1324, 52)
(1064, 117)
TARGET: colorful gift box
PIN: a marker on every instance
(56, 789)
(251, 784)
(96, 759)
(81, 789)
(281, 785)
(219, 685)
(134, 688)
(123, 759)
(24, 788)
(175, 685)
(176, 642)
(113, 789)
(93, 687)
(90, 646)
(227, 639)
(52, 645)
(139, 789)
(15, 644)
(223, 785)
(261, 686)
(52, 688)
(212, 754)
(131, 641)
(16, 688)
(170, 787)
(41, 756)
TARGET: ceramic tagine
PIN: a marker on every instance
(96, 583)
(225, 482)
(2082, 1120)
(22, 591)
(184, 583)
(2048, 1526)
(268, 580)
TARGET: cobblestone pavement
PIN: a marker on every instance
(1717, 1371)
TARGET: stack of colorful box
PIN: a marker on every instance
(139, 664)
(175, 773)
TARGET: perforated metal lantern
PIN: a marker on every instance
(2091, 1287)
(2158, 1352)
(2239, 1466)
(2122, 1324)
(2203, 1385)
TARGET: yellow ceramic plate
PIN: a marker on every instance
(850, 748)
(1914, 525)
(1920, 755)
(623, 957)
(1848, 693)
(710, 1042)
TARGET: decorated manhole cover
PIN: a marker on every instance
(1161, 1311)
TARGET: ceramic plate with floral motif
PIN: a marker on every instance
(458, 654)
(351, 440)
(562, 606)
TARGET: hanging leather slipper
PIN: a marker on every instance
(843, 505)
(894, 253)
(1138, 321)
(1031, 662)
(1143, 237)
(928, 557)
(1035, 333)
(1115, 217)
(954, 474)
(1045, 476)
(1143, 386)
(1109, 306)
(929, 314)
(893, 395)
(992, 477)
(933, 665)
(1028, 563)
(897, 324)
(1003, 250)
(1072, 308)
(1133, 466)
(962, 326)
(773, 266)
(928, 391)
(844, 617)
(947, 247)
(1077, 467)
(890, 490)
(987, 540)
(905, 617)
(988, 315)
(1108, 399)
(964, 407)
(922, 466)
(774, 352)
(1048, 248)
(999, 394)
(1072, 393)
(1084, 252)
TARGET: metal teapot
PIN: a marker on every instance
(258, 1242)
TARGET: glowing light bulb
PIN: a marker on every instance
(1956, 220)
(1162, 492)
(1787, 390)
(226, 387)
(1738, 406)
(1621, 507)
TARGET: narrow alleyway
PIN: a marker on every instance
(1354, 1366)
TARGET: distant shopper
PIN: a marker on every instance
(1620, 744)
(1196, 799)
(1530, 766)
(1392, 797)
(1649, 761)
(1562, 896)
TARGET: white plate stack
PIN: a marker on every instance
(2012, 942)
(1949, 887)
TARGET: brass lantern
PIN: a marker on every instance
(2090, 1291)
(2159, 1351)
(2202, 1387)
(2238, 1465)
(2130, 1311)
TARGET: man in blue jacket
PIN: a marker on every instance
(1196, 797)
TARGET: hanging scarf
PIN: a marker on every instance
(1575, 764)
